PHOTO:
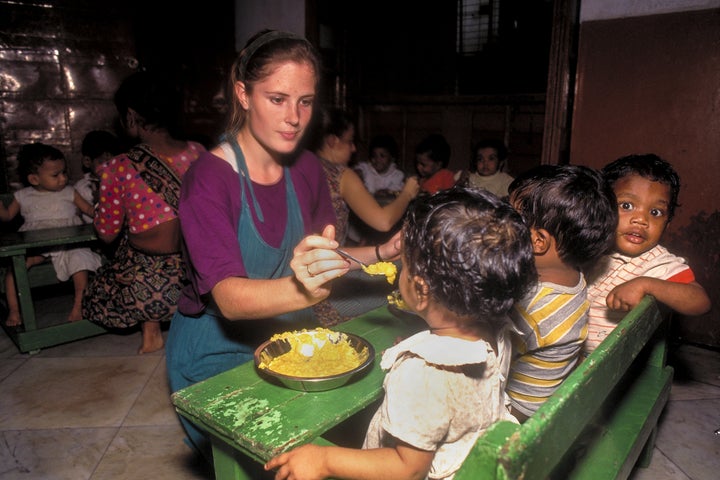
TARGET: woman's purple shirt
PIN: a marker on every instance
(210, 205)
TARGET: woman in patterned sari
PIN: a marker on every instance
(138, 200)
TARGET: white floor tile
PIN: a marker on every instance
(153, 405)
(58, 454)
(686, 436)
(661, 468)
(73, 392)
(150, 453)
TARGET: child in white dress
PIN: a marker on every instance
(466, 258)
(47, 202)
(380, 173)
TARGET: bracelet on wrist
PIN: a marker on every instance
(377, 253)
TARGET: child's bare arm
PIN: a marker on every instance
(84, 205)
(684, 298)
(310, 462)
(9, 212)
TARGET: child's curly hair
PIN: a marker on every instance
(471, 248)
(31, 156)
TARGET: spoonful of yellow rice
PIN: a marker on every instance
(382, 268)
(379, 268)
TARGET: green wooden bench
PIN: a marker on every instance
(600, 423)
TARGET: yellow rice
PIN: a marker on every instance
(315, 353)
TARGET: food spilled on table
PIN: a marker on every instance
(315, 353)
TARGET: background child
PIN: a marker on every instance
(466, 258)
(98, 146)
(647, 189)
(571, 213)
(46, 202)
(432, 156)
(486, 168)
(334, 146)
(380, 173)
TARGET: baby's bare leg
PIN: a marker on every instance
(80, 282)
(14, 319)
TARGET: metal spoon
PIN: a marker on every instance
(366, 268)
(343, 253)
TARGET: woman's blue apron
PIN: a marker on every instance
(202, 346)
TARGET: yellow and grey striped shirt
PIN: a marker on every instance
(551, 324)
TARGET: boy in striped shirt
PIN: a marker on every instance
(572, 216)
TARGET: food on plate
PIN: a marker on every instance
(315, 353)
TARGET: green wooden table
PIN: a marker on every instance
(15, 246)
(248, 415)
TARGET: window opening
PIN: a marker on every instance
(477, 25)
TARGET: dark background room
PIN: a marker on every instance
(556, 85)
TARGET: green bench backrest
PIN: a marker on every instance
(532, 450)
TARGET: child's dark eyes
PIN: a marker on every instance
(656, 212)
(628, 206)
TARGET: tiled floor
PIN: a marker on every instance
(93, 409)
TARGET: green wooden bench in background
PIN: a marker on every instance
(597, 425)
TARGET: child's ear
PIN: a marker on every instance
(421, 291)
(332, 140)
(34, 179)
(541, 240)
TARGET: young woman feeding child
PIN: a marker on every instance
(257, 221)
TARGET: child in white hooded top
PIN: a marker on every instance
(466, 257)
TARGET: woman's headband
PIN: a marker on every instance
(261, 40)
